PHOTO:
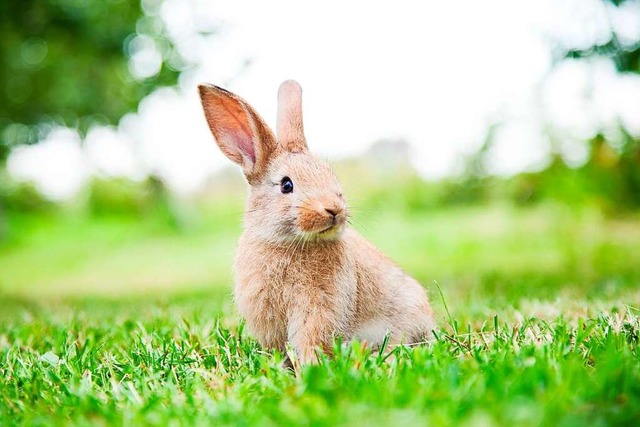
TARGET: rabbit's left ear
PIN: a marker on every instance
(239, 131)
(289, 127)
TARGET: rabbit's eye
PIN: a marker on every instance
(286, 185)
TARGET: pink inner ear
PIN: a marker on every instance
(240, 135)
(236, 125)
(231, 126)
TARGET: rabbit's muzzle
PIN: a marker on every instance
(322, 215)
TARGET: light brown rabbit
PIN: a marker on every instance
(302, 276)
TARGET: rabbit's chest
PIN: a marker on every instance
(266, 291)
(263, 293)
(262, 305)
(269, 289)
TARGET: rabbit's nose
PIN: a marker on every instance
(336, 211)
(331, 205)
(332, 211)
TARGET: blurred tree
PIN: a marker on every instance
(73, 63)
(615, 165)
(626, 56)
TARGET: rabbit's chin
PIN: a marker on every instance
(333, 232)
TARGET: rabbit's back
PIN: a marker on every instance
(389, 300)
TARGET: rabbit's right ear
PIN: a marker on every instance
(289, 126)
(239, 131)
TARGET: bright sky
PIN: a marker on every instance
(437, 74)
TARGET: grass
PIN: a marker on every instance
(116, 321)
(158, 364)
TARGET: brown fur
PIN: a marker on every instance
(302, 275)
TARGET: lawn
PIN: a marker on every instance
(122, 320)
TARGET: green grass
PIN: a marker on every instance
(117, 320)
(150, 363)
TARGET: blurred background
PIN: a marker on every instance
(490, 147)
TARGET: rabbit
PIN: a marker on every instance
(302, 275)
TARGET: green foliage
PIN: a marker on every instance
(125, 197)
(66, 62)
(610, 179)
(413, 194)
(21, 198)
(122, 198)
(626, 57)
(612, 186)
(119, 197)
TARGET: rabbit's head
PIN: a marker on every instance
(293, 194)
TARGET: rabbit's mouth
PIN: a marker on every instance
(336, 223)
(330, 232)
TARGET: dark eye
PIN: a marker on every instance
(286, 185)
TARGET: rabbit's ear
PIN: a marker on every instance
(239, 131)
(289, 125)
